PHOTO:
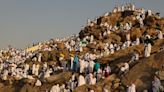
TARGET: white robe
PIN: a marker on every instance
(128, 37)
(160, 35)
(38, 83)
(72, 63)
(45, 66)
(5, 74)
(91, 65)
(133, 7)
(91, 39)
(55, 88)
(93, 81)
(149, 12)
(122, 8)
(81, 80)
(26, 68)
(37, 69)
(127, 43)
(125, 67)
(33, 68)
(147, 50)
(111, 48)
(132, 88)
(82, 65)
(137, 41)
(40, 57)
(47, 73)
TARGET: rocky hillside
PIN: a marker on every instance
(121, 28)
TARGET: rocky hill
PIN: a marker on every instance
(121, 28)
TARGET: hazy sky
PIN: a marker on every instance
(24, 22)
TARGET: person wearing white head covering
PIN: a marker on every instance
(147, 47)
(118, 8)
(45, 66)
(38, 83)
(26, 68)
(82, 65)
(80, 48)
(47, 73)
(132, 88)
(40, 57)
(141, 22)
(106, 52)
(106, 14)
(115, 10)
(127, 44)
(72, 58)
(128, 36)
(91, 91)
(124, 68)
(137, 41)
(133, 7)
(5, 75)
(33, 68)
(55, 88)
(91, 39)
(91, 65)
(111, 48)
(37, 69)
(160, 34)
(127, 27)
(81, 80)
(88, 22)
(122, 8)
(104, 34)
(149, 12)
(156, 84)
(92, 80)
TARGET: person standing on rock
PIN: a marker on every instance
(55, 88)
(81, 80)
(107, 70)
(160, 34)
(91, 66)
(96, 66)
(75, 63)
(148, 46)
(82, 65)
(132, 88)
(156, 84)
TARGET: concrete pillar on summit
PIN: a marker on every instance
(122, 8)
(88, 22)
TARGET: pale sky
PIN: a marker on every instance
(24, 22)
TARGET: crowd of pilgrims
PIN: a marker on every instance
(87, 65)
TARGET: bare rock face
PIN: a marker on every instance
(59, 79)
(142, 73)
